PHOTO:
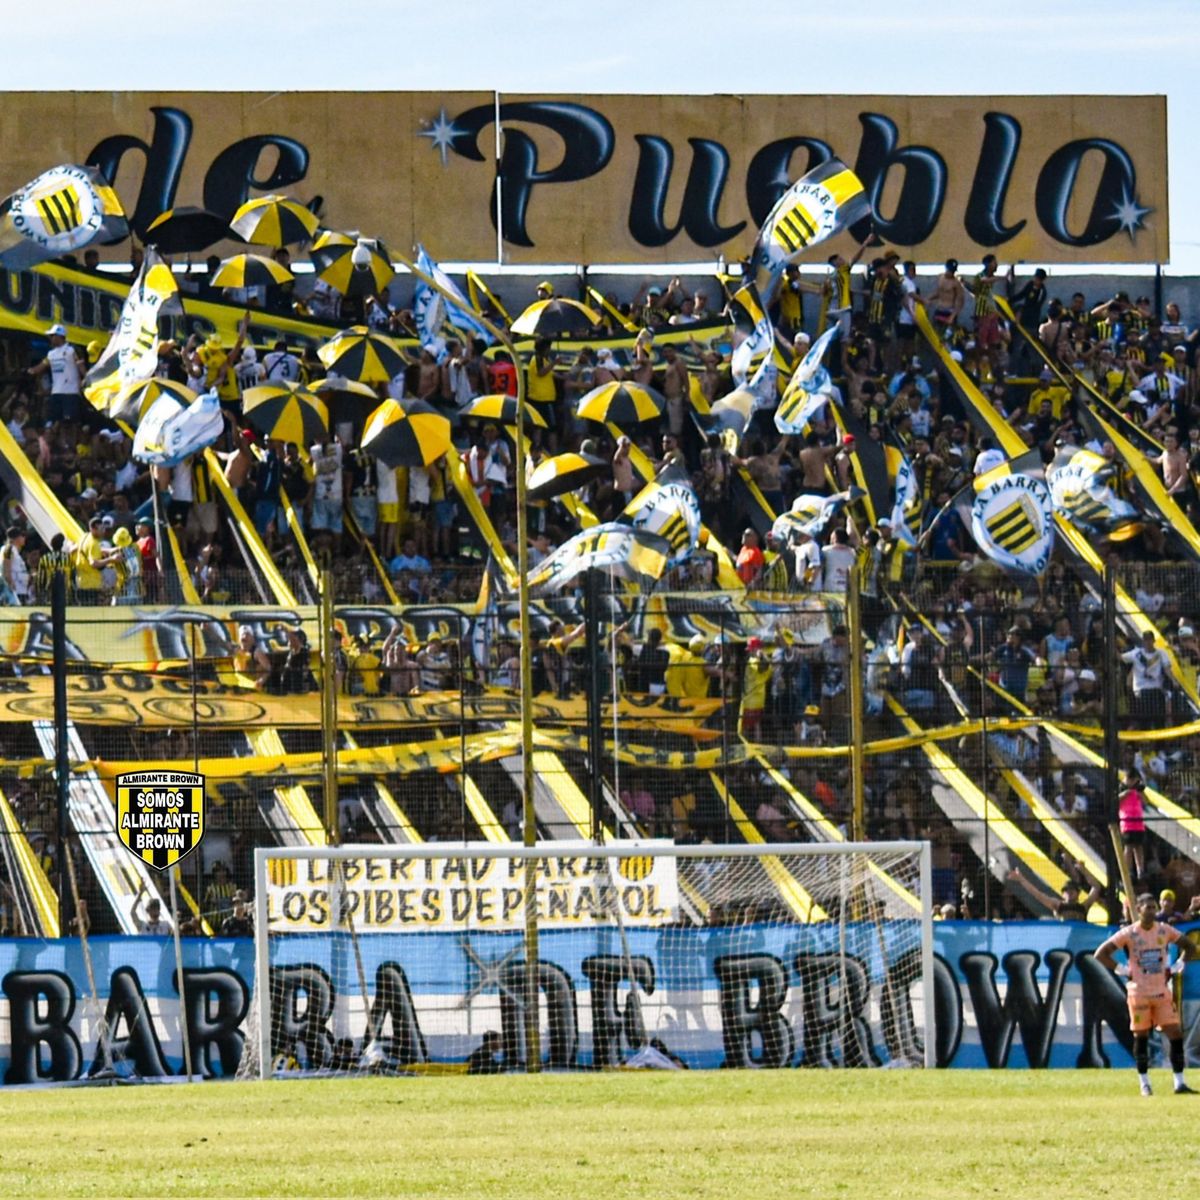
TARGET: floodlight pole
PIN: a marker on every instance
(533, 1050)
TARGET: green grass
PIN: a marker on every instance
(868, 1135)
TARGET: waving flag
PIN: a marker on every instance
(432, 310)
(907, 501)
(752, 363)
(809, 388)
(823, 202)
(132, 351)
(62, 210)
(668, 506)
(1012, 521)
(635, 555)
(480, 292)
(1080, 485)
(171, 431)
(811, 514)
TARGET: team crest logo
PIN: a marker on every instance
(160, 815)
(59, 210)
(1013, 522)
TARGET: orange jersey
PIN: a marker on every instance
(1147, 951)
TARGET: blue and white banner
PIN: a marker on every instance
(1012, 521)
(1014, 994)
(432, 311)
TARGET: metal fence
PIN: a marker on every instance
(698, 716)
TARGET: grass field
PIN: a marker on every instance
(912, 1134)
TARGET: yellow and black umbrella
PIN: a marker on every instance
(359, 269)
(622, 403)
(131, 402)
(556, 319)
(274, 221)
(250, 270)
(287, 412)
(328, 246)
(408, 434)
(563, 473)
(348, 400)
(502, 407)
(185, 230)
(360, 353)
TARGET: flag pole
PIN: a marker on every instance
(533, 1054)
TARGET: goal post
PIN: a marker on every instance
(411, 959)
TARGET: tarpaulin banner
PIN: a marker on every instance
(1012, 995)
(633, 178)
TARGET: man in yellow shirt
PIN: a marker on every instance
(686, 674)
(756, 675)
(90, 559)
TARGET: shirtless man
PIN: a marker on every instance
(766, 469)
(675, 387)
(1174, 465)
(948, 297)
(429, 384)
(622, 469)
(813, 460)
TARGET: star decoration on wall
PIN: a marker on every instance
(442, 132)
(1129, 213)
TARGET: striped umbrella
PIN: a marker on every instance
(250, 270)
(328, 246)
(348, 400)
(408, 434)
(287, 412)
(274, 221)
(360, 353)
(622, 403)
(499, 406)
(130, 403)
(556, 319)
(563, 473)
(185, 230)
(360, 269)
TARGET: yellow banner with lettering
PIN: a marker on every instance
(650, 178)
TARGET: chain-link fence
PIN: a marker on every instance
(698, 716)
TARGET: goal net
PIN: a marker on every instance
(565, 956)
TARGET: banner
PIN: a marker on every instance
(1012, 521)
(633, 178)
(64, 209)
(132, 352)
(1081, 486)
(668, 506)
(1011, 995)
(574, 891)
(136, 698)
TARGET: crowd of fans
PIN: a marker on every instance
(972, 641)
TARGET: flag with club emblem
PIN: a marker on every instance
(132, 351)
(61, 211)
(907, 499)
(1012, 521)
(668, 506)
(1081, 488)
(809, 389)
(634, 555)
(432, 311)
(824, 202)
(752, 363)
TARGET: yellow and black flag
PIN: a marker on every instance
(61, 211)
(668, 506)
(824, 202)
(633, 555)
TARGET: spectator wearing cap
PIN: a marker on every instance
(686, 674)
(251, 660)
(128, 563)
(756, 677)
(1069, 905)
(545, 290)
(66, 370)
